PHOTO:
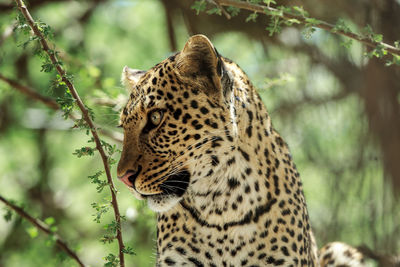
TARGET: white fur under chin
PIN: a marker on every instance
(162, 203)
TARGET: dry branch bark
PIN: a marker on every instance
(44, 228)
(86, 117)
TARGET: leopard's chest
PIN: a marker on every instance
(247, 245)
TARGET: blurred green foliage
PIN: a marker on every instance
(339, 162)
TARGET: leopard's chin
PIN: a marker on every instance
(162, 202)
(173, 190)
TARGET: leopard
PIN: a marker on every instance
(200, 148)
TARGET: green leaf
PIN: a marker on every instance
(214, 10)
(111, 161)
(50, 221)
(84, 151)
(234, 11)
(396, 59)
(379, 51)
(199, 6)
(368, 33)
(8, 215)
(101, 209)
(112, 227)
(347, 43)
(99, 182)
(300, 11)
(307, 32)
(252, 17)
(274, 26)
(45, 29)
(47, 67)
(277, 12)
(341, 26)
(128, 250)
(66, 102)
(32, 231)
(111, 261)
(313, 21)
(107, 239)
(95, 177)
(377, 38)
(290, 22)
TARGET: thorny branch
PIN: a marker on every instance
(44, 228)
(52, 104)
(86, 117)
(303, 20)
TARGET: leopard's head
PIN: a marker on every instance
(174, 123)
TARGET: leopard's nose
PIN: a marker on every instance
(130, 176)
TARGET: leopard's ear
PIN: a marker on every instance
(130, 77)
(200, 60)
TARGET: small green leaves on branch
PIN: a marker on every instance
(297, 15)
(129, 251)
(100, 210)
(42, 33)
(111, 261)
(233, 11)
(8, 215)
(84, 151)
(111, 229)
(368, 33)
(252, 17)
(199, 6)
(95, 179)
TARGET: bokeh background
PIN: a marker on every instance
(338, 110)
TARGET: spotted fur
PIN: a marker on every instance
(220, 177)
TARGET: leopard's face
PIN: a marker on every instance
(171, 121)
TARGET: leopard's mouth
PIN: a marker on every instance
(175, 185)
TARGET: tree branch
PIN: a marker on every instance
(30, 93)
(52, 104)
(226, 14)
(86, 117)
(44, 228)
(303, 20)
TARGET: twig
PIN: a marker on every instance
(86, 117)
(303, 20)
(52, 104)
(44, 228)
(226, 14)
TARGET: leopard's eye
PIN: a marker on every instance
(156, 117)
